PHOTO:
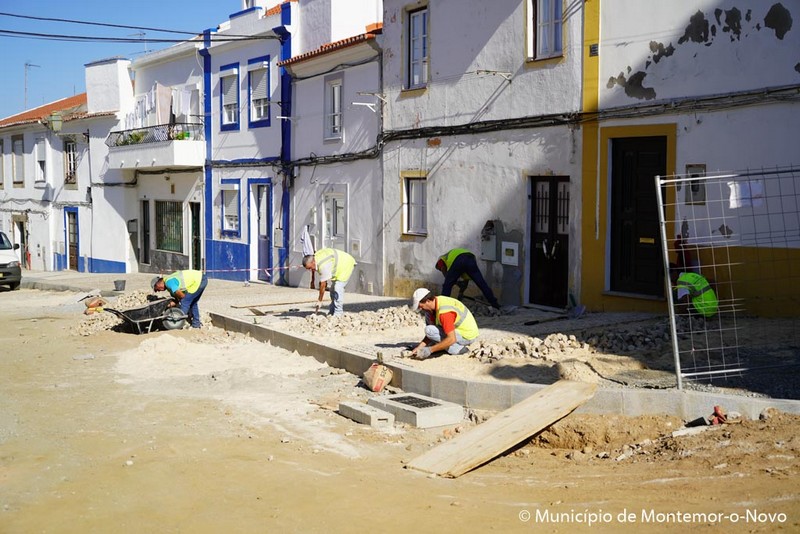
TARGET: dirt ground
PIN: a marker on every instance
(206, 431)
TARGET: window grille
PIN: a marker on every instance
(169, 226)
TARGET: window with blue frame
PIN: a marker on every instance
(229, 96)
(258, 91)
(231, 202)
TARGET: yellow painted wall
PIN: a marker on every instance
(595, 216)
(754, 281)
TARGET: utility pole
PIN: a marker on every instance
(28, 65)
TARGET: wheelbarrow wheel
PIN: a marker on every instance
(174, 319)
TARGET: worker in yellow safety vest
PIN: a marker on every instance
(186, 287)
(459, 266)
(334, 268)
(696, 288)
(449, 326)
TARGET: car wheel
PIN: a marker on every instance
(12, 287)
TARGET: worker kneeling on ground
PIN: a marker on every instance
(334, 266)
(449, 326)
(459, 266)
(186, 287)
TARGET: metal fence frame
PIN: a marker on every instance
(729, 219)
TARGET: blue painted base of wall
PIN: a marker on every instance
(89, 265)
(227, 261)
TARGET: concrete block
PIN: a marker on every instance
(418, 410)
(366, 414)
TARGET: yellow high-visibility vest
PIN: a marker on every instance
(700, 291)
(188, 280)
(465, 322)
(343, 263)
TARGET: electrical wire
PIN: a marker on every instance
(90, 38)
(107, 24)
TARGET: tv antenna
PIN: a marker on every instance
(28, 65)
(140, 35)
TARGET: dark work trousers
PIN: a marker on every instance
(466, 264)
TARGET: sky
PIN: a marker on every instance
(60, 64)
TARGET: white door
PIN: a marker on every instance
(335, 223)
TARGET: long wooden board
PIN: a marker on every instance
(506, 429)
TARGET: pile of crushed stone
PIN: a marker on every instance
(104, 320)
(361, 322)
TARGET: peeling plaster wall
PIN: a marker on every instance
(475, 178)
(471, 180)
(653, 50)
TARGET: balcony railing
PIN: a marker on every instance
(156, 134)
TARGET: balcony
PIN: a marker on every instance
(154, 147)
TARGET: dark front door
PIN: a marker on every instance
(263, 203)
(194, 207)
(550, 241)
(145, 232)
(636, 264)
(72, 238)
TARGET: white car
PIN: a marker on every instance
(10, 272)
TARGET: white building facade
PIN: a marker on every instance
(336, 119)
(688, 88)
(479, 144)
(55, 201)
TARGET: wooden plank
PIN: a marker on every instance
(506, 429)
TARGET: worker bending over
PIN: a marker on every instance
(334, 266)
(459, 266)
(186, 287)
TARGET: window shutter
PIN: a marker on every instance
(229, 90)
(258, 84)
(40, 149)
(231, 202)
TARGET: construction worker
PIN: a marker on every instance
(449, 326)
(699, 292)
(459, 266)
(186, 287)
(335, 266)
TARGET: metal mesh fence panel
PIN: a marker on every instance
(731, 247)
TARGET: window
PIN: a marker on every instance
(417, 48)
(258, 81)
(229, 97)
(415, 205)
(18, 160)
(2, 165)
(333, 107)
(70, 162)
(230, 207)
(546, 25)
(169, 226)
(41, 160)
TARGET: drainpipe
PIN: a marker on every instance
(286, 135)
(207, 174)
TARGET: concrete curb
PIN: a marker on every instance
(497, 396)
(480, 395)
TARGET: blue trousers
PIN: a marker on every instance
(189, 303)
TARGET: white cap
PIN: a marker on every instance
(418, 295)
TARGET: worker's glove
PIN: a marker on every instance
(423, 353)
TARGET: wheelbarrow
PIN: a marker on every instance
(154, 316)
